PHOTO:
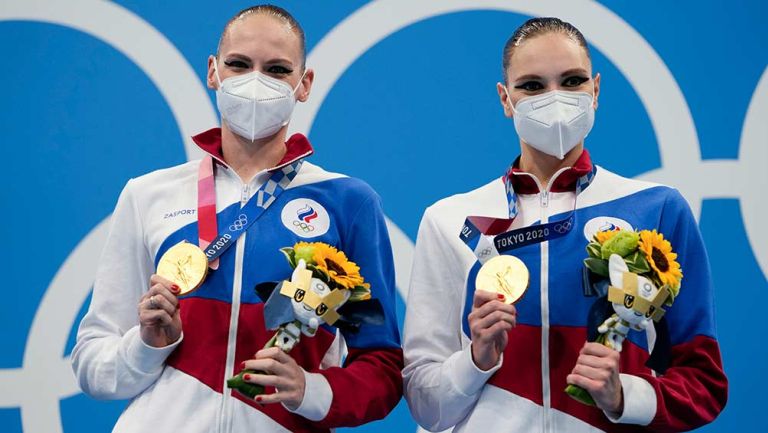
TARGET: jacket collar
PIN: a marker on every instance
(525, 183)
(297, 146)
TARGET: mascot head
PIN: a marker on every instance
(634, 297)
(313, 301)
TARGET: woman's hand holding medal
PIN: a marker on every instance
(181, 270)
(489, 322)
(159, 318)
(500, 283)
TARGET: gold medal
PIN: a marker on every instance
(506, 275)
(185, 265)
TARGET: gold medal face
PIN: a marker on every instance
(506, 275)
(185, 265)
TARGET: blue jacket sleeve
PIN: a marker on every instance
(370, 384)
(694, 390)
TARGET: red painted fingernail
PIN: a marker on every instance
(501, 296)
(242, 365)
(175, 288)
(258, 398)
(247, 377)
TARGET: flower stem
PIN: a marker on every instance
(248, 389)
(271, 342)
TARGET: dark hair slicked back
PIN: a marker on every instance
(273, 11)
(537, 27)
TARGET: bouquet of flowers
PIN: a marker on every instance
(643, 276)
(325, 288)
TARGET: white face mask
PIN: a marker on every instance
(554, 122)
(255, 105)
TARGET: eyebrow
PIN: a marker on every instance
(276, 60)
(569, 72)
(237, 55)
(575, 71)
(528, 77)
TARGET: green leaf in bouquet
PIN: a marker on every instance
(597, 266)
(671, 298)
(359, 293)
(593, 250)
(642, 261)
(320, 274)
(673, 292)
(654, 277)
(290, 255)
(637, 263)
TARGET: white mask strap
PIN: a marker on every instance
(300, 81)
(216, 69)
(512, 106)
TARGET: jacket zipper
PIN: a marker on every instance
(544, 301)
(225, 421)
(546, 424)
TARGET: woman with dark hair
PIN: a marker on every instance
(171, 352)
(478, 363)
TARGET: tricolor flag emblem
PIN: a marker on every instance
(306, 214)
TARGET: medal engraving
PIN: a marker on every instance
(185, 265)
(506, 275)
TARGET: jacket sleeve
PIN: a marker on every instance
(694, 390)
(109, 359)
(442, 383)
(369, 385)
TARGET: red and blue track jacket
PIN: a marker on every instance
(181, 388)
(525, 391)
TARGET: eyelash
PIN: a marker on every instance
(236, 64)
(280, 70)
(578, 81)
(275, 70)
(532, 86)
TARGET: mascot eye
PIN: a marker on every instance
(321, 309)
(629, 301)
(299, 295)
(651, 309)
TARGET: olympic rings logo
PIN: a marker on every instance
(563, 227)
(682, 163)
(239, 223)
(304, 226)
(485, 252)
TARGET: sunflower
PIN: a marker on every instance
(604, 235)
(658, 252)
(338, 268)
